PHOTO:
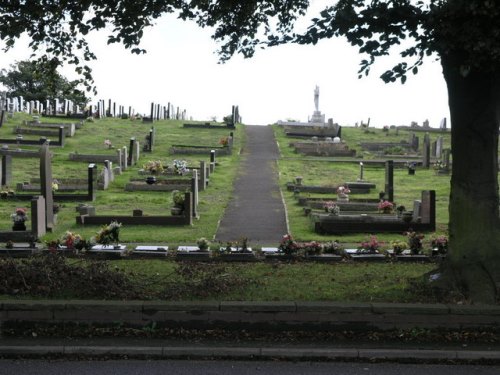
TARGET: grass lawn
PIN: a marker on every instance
(265, 282)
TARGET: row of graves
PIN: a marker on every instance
(229, 121)
(44, 198)
(65, 108)
(327, 141)
(331, 209)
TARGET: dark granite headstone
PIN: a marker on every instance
(389, 180)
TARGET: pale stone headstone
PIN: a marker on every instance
(439, 146)
(203, 176)
(46, 185)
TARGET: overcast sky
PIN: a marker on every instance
(278, 83)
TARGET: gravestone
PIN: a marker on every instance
(46, 185)
(124, 159)
(212, 161)
(109, 167)
(6, 170)
(439, 146)
(91, 179)
(442, 125)
(416, 210)
(194, 190)
(426, 152)
(38, 215)
(203, 176)
(389, 180)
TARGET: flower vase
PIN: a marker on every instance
(342, 197)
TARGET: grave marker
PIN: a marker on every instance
(426, 152)
(389, 180)
(46, 185)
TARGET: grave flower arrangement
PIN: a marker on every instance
(331, 208)
(75, 241)
(288, 245)
(439, 245)
(385, 206)
(153, 166)
(108, 234)
(19, 218)
(203, 244)
(370, 246)
(343, 190)
(333, 247)
(399, 246)
(224, 141)
(180, 167)
(415, 242)
(7, 193)
(55, 185)
(312, 248)
(108, 143)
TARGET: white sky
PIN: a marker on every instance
(278, 83)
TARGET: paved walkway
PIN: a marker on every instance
(256, 210)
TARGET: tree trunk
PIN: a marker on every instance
(474, 242)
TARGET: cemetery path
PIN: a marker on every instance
(256, 210)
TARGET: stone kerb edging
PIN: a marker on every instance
(254, 315)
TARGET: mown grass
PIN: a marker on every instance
(267, 282)
(90, 139)
(326, 172)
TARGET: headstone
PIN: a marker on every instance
(203, 176)
(426, 152)
(439, 146)
(46, 185)
(124, 158)
(38, 215)
(389, 180)
(416, 210)
(361, 170)
(426, 124)
(109, 167)
(91, 179)
(194, 190)
(442, 125)
(6, 170)
(428, 207)
(212, 161)
(132, 152)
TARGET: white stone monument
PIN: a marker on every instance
(317, 117)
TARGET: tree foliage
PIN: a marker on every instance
(39, 80)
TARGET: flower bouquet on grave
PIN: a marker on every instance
(370, 246)
(203, 244)
(385, 207)
(312, 248)
(108, 234)
(439, 245)
(331, 208)
(19, 218)
(75, 241)
(399, 247)
(343, 193)
(415, 242)
(333, 247)
(180, 167)
(288, 245)
(224, 141)
(153, 166)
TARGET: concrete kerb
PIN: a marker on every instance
(251, 353)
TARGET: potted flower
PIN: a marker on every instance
(414, 242)
(19, 218)
(343, 193)
(333, 247)
(385, 207)
(439, 245)
(331, 208)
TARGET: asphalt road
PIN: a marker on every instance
(174, 367)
